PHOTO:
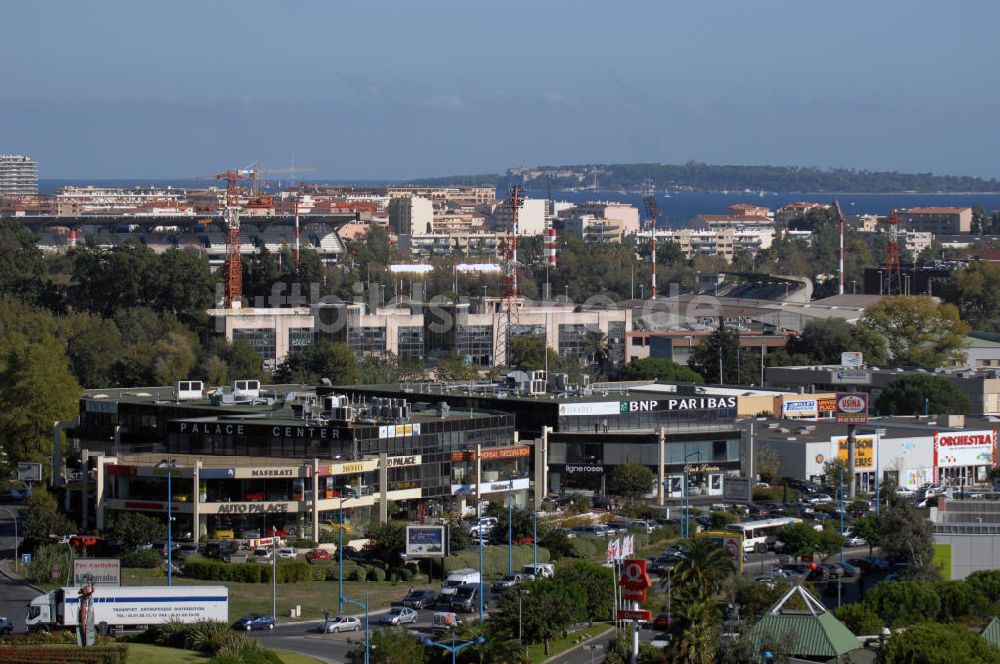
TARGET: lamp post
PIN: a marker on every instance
(13, 516)
(169, 465)
(510, 525)
(455, 647)
(534, 540)
(479, 534)
(340, 607)
(340, 545)
(670, 574)
(274, 573)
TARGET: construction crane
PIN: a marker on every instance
(233, 269)
(652, 212)
(893, 271)
(508, 283)
(840, 215)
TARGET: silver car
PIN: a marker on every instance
(399, 615)
(340, 624)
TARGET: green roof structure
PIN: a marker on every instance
(810, 633)
(992, 632)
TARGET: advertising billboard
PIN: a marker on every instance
(852, 408)
(29, 472)
(425, 541)
(954, 449)
(864, 451)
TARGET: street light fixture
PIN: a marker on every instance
(455, 647)
(169, 464)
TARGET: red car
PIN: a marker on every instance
(661, 622)
(318, 554)
(83, 540)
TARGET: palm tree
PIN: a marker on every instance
(595, 346)
(704, 567)
(497, 649)
(696, 629)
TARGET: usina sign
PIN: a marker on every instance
(852, 408)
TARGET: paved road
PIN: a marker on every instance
(14, 595)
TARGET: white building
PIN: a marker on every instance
(530, 218)
(411, 215)
(18, 175)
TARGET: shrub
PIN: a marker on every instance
(406, 574)
(495, 559)
(142, 559)
(108, 653)
(289, 571)
(350, 571)
(721, 519)
(293, 571)
(376, 574)
(959, 599)
(901, 603)
(206, 636)
(987, 581)
(359, 573)
(583, 547)
(859, 618)
(321, 571)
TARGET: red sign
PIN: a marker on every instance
(634, 594)
(639, 614)
(634, 576)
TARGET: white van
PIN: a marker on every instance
(539, 571)
(458, 578)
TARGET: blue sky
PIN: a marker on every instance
(372, 90)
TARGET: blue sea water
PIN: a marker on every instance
(678, 208)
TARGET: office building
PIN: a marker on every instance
(936, 220)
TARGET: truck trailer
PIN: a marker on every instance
(119, 608)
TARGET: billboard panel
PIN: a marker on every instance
(102, 571)
(425, 541)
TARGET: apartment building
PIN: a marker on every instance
(18, 175)
(411, 215)
(789, 213)
(937, 220)
(717, 222)
(530, 218)
(485, 246)
(750, 210)
(595, 229)
(722, 243)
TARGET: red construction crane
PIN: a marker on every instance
(233, 269)
(893, 271)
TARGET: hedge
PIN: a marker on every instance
(113, 653)
(376, 574)
(288, 571)
(142, 558)
(494, 559)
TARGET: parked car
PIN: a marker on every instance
(818, 499)
(250, 533)
(398, 615)
(849, 569)
(833, 570)
(661, 622)
(419, 599)
(600, 503)
(591, 531)
(183, 551)
(850, 539)
(444, 620)
(318, 555)
(255, 621)
(340, 624)
(466, 598)
(758, 511)
(6, 626)
(287, 553)
(801, 485)
(507, 582)
(565, 532)
(262, 554)
(223, 534)
(661, 564)
(616, 526)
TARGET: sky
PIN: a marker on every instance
(393, 90)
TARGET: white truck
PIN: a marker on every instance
(459, 577)
(129, 607)
(539, 571)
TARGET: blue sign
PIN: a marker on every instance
(26, 558)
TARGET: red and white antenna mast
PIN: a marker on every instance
(893, 272)
(840, 215)
(652, 212)
(508, 280)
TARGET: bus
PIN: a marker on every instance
(759, 536)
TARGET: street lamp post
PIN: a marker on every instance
(169, 465)
(340, 544)
(455, 647)
(670, 574)
(510, 525)
(534, 539)
(340, 607)
(479, 534)
(274, 573)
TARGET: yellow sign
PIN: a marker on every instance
(864, 451)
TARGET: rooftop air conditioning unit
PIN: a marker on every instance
(246, 388)
(188, 390)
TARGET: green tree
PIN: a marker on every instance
(868, 527)
(321, 359)
(173, 358)
(829, 542)
(547, 609)
(722, 347)
(22, 266)
(521, 525)
(907, 535)
(386, 542)
(242, 361)
(185, 286)
(933, 643)
(36, 389)
(453, 367)
(595, 348)
(703, 570)
(799, 539)
(918, 330)
(43, 518)
(656, 368)
(695, 629)
(903, 603)
(597, 583)
(134, 528)
(390, 645)
(859, 618)
(631, 480)
(917, 393)
(528, 353)
(93, 344)
(976, 292)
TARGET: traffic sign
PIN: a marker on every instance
(634, 575)
(635, 614)
(26, 558)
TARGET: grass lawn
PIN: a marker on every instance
(536, 652)
(142, 653)
(313, 597)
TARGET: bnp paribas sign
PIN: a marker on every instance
(679, 403)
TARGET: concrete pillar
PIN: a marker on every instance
(315, 502)
(196, 501)
(99, 493)
(662, 474)
(383, 487)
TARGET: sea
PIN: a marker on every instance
(678, 207)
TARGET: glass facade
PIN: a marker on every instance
(410, 341)
(572, 340)
(616, 342)
(367, 340)
(475, 341)
(527, 331)
(299, 337)
(262, 339)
